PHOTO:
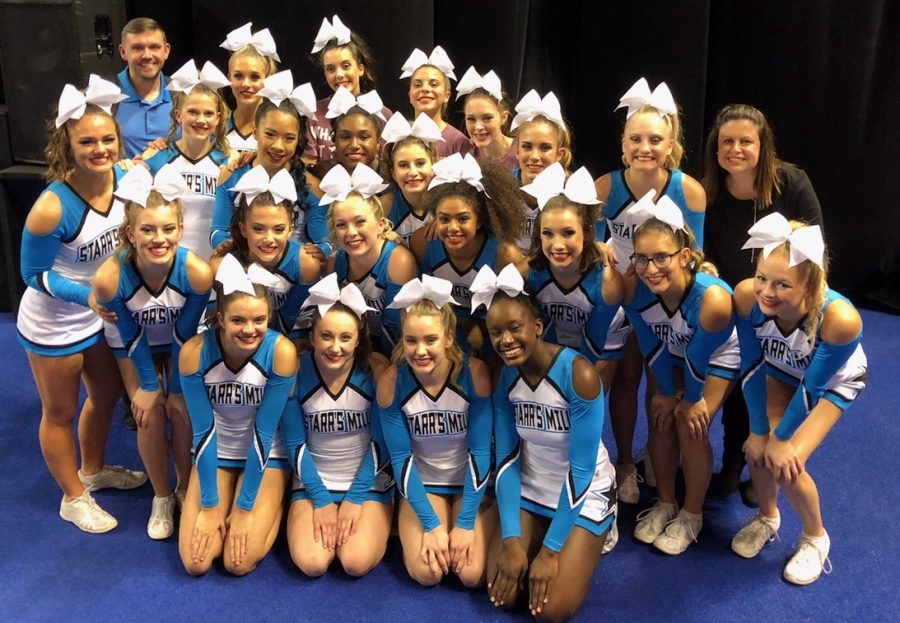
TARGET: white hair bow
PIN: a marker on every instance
(187, 77)
(532, 105)
(664, 210)
(136, 185)
(438, 58)
(257, 181)
(639, 95)
(487, 284)
(331, 30)
(472, 80)
(327, 292)
(99, 92)
(550, 182)
(437, 290)
(772, 231)
(457, 168)
(234, 278)
(337, 183)
(279, 87)
(343, 100)
(241, 37)
(398, 128)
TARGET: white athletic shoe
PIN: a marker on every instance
(679, 533)
(161, 524)
(649, 475)
(809, 561)
(612, 537)
(112, 477)
(84, 512)
(652, 521)
(750, 539)
(627, 480)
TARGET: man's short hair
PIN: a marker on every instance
(141, 24)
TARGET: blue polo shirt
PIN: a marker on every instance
(142, 121)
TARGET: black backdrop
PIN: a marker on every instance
(827, 73)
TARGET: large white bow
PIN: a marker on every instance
(99, 92)
(331, 30)
(136, 185)
(398, 128)
(234, 278)
(486, 284)
(343, 100)
(187, 77)
(639, 95)
(438, 58)
(327, 292)
(457, 168)
(337, 183)
(437, 290)
(532, 105)
(242, 37)
(279, 87)
(550, 182)
(773, 230)
(664, 210)
(472, 80)
(257, 181)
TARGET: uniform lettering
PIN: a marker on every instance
(200, 183)
(157, 315)
(564, 312)
(99, 247)
(542, 417)
(337, 421)
(780, 350)
(235, 394)
(431, 423)
(667, 334)
(623, 230)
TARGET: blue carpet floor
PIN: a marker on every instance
(52, 571)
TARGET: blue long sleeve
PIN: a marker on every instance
(695, 220)
(268, 415)
(204, 436)
(36, 266)
(826, 361)
(185, 329)
(593, 337)
(317, 225)
(365, 476)
(753, 376)
(224, 208)
(135, 340)
(390, 318)
(697, 354)
(655, 352)
(507, 445)
(479, 462)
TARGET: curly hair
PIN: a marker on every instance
(498, 208)
(587, 215)
(425, 307)
(221, 131)
(60, 160)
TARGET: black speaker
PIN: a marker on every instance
(44, 45)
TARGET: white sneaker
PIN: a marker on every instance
(112, 477)
(84, 512)
(809, 561)
(679, 533)
(649, 474)
(627, 480)
(750, 539)
(179, 499)
(161, 524)
(652, 521)
(612, 537)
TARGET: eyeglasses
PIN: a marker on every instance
(660, 260)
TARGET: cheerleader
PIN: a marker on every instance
(365, 256)
(555, 484)
(342, 503)
(71, 229)
(435, 413)
(253, 59)
(158, 291)
(236, 378)
(429, 93)
(802, 365)
(486, 110)
(200, 154)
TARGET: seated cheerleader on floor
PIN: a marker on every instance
(237, 378)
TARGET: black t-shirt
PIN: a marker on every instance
(727, 221)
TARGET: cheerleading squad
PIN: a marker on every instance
(303, 336)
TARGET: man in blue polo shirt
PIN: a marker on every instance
(145, 115)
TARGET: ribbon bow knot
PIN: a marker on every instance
(280, 86)
(234, 278)
(437, 290)
(334, 29)
(457, 168)
(438, 58)
(398, 128)
(241, 37)
(343, 100)
(639, 95)
(532, 105)
(137, 184)
(187, 77)
(550, 182)
(772, 231)
(486, 284)
(472, 80)
(664, 210)
(327, 292)
(257, 181)
(99, 92)
(338, 183)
